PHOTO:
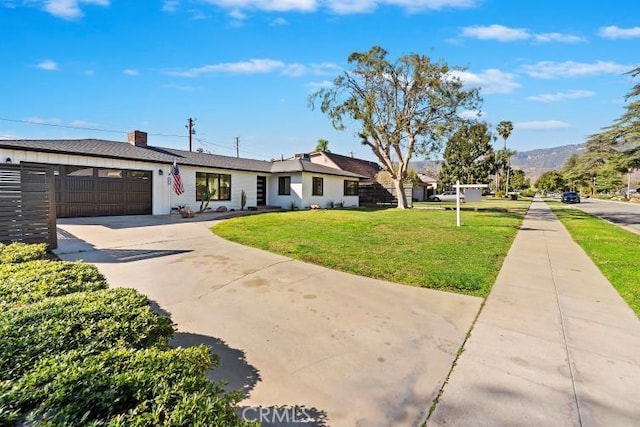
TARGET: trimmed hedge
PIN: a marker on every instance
(33, 281)
(91, 321)
(121, 387)
(21, 252)
(76, 353)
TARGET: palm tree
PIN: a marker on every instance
(323, 145)
(504, 129)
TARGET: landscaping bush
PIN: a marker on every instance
(93, 322)
(32, 281)
(120, 387)
(21, 252)
(529, 192)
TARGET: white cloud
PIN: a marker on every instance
(471, 115)
(238, 15)
(170, 6)
(506, 34)
(41, 121)
(279, 22)
(197, 15)
(346, 7)
(48, 65)
(550, 69)
(267, 5)
(253, 66)
(339, 6)
(541, 125)
(495, 32)
(82, 124)
(260, 66)
(490, 81)
(130, 72)
(558, 38)
(614, 32)
(8, 135)
(324, 84)
(561, 96)
(70, 9)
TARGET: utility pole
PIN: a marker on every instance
(237, 138)
(190, 125)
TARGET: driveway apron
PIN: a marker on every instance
(339, 349)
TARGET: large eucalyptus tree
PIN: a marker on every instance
(402, 107)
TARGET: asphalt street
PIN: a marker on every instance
(626, 215)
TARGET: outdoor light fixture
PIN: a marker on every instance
(160, 172)
(8, 160)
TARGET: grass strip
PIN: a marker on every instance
(613, 250)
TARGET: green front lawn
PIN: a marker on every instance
(415, 247)
(614, 250)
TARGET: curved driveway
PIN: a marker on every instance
(327, 346)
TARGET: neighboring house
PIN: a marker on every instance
(98, 177)
(375, 188)
(367, 169)
(426, 187)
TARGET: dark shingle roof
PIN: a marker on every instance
(299, 165)
(125, 151)
(358, 166)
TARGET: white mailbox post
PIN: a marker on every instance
(458, 186)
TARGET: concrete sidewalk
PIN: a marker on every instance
(554, 345)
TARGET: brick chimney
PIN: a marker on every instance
(137, 138)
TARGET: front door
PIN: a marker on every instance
(261, 193)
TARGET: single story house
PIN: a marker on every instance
(425, 187)
(375, 187)
(98, 177)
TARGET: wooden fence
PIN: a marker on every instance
(376, 194)
(27, 204)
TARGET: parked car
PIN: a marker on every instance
(447, 196)
(570, 197)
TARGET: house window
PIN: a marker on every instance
(110, 173)
(219, 185)
(284, 186)
(350, 188)
(316, 186)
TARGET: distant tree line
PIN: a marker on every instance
(610, 154)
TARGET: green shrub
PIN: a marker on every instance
(120, 387)
(93, 321)
(500, 194)
(33, 281)
(529, 192)
(21, 252)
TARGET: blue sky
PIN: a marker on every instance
(245, 68)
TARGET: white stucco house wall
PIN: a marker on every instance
(99, 177)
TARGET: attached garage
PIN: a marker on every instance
(94, 191)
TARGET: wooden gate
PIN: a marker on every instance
(27, 204)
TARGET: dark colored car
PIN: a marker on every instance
(570, 197)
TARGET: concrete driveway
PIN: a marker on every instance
(305, 343)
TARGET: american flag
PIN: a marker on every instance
(177, 181)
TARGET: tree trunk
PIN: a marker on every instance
(402, 198)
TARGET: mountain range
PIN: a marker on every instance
(533, 162)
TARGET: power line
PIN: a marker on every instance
(36, 123)
(201, 140)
